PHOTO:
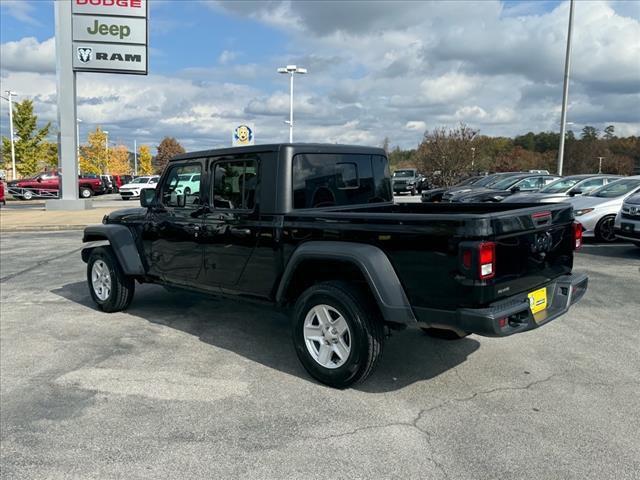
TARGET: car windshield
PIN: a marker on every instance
(491, 179)
(404, 173)
(560, 186)
(616, 189)
(469, 181)
(506, 183)
(141, 180)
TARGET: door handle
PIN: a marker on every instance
(240, 232)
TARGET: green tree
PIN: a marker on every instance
(169, 147)
(144, 160)
(609, 132)
(589, 133)
(32, 149)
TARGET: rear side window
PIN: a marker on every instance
(235, 184)
(327, 180)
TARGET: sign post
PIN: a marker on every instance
(105, 36)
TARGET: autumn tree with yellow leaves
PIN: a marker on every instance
(96, 158)
(144, 160)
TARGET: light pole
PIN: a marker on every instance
(106, 151)
(135, 157)
(13, 148)
(600, 164)
(473, 157)
(78, 143)
(291, 70)
(565, 91)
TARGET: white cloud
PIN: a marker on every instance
(418, 125)
(29, 55)
(21, 10)
(227, 56)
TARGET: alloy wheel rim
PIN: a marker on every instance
(606, 229)
(101, 280)
(327, 336)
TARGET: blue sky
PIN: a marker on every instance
(376, 69)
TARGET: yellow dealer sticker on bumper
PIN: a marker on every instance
(538, 300)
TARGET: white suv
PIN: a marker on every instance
(627, 223)
(133, 189)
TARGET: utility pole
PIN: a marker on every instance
(78, 143)
(565, 91)
(13, 148)
(291, 70)
(135, 158)
(106, 151)
(600, 164)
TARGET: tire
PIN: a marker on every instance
(187, 191)
(120, 287)
(413, 192)
(27, 195)
(604, 229)
(443, 334)
(362, 340)
(85, 192)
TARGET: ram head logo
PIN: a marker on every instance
(84, 54)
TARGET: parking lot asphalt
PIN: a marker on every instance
(183, 386)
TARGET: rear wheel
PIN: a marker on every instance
(337, 333)
(85, 192)
(604, 229)
(27, 195)
(443, 334)
(110, 288)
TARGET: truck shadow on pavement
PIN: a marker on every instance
(263, 335)
(611, 250)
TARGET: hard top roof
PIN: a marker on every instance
(276, 147)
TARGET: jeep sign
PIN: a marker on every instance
(109, 57)
(110, 36)
(91, 28)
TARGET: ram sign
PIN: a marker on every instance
(110, 36)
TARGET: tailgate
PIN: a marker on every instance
(533, 246)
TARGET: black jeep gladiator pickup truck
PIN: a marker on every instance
(313, 229)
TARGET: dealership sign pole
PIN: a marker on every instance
(106, 36)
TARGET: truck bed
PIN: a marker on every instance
(423, 243)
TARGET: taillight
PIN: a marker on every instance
(487, 260)
(577, 235)
(478, 259)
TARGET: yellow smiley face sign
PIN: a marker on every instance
(243, 135)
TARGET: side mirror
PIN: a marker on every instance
(515, 189)
(147, 197)
(573, 193)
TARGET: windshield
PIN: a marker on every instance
(616, 189)
(469, 181)
(560, 186)
(506, 183)
(491, 179)
(141, 180)
(404, 173)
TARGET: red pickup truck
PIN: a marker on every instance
(47, 185)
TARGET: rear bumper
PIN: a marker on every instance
(509, 316)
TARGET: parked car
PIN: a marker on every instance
(137, 185)
(446, 193)
(408, 180)
(3, 201)
(47, 185)
(313, 229)
(498, 191)
(596, 211)
(627, 223)
(188, 183)
(564, 187)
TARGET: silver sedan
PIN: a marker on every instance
(597, 210)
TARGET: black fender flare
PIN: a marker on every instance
(374, 265)
(123, 243)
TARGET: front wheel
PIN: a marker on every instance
(27, 195)
(604, 229)
(85, 192)
(337, 333)
(110, 288)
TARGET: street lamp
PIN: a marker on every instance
(13, 148)
(106, 149)
(291, 70)
(78, 143)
